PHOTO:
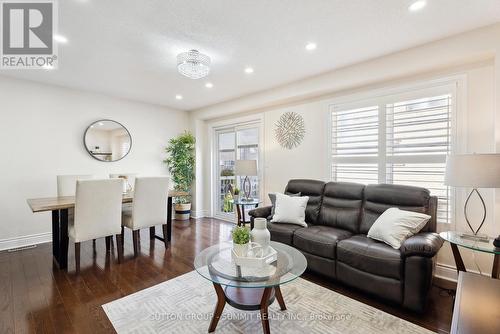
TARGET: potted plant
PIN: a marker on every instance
(236, 193)
(241, 240)
(181, 165)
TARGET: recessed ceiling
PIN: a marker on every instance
(128, 48)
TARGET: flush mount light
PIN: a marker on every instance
(248, 70)
(178, 97)
(193, 64)
(60, 39)
(417, 5)
(209, 85)
(311, 46)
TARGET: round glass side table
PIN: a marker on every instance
(248, 288)
(240, 209)
(457, 239)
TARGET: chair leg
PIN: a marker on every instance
(165, 234)
(123, 238)
(135, 239)
(108, 244)
(77, 256)
(152, 233)
(119, 248)
(93, 243)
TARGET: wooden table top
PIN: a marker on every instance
(59, 203)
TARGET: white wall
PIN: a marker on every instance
(41, 136)
(474, 55)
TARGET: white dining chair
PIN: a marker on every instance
(149, 208)
(66, 184)
(98, 207)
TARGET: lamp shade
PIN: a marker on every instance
(246, 167)
(473, 170)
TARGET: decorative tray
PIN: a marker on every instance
(255, 262)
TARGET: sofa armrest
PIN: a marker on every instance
(262, 212)
(425, 244)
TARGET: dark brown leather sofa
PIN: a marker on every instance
(335, 244)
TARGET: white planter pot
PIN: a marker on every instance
(182, 211)
(261, 235)
(240, 250)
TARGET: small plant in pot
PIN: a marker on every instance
(236, 193)
(181, 165)
(241, 240)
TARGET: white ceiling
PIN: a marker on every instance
(128, 48)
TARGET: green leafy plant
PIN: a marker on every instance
(181, 163)
(227, 172)
(241, 235)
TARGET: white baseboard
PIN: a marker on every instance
(446, 272)
(24, 241)
(449, 273)
(199, 214)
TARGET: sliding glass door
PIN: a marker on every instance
(234, 143)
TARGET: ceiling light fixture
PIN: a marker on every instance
(248, 70)
(60, 39)
(311, 46)
(417, 5)
(209, 85)
(178, 97)
(193, 64)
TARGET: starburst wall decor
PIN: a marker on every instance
(290, 130)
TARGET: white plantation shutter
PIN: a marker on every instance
(418, 134)
(355, 144)
(395, 140)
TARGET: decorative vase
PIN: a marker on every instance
(260, 234)
(182, 211)
(240, 250)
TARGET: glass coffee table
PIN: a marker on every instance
(248, 288)
(456, 239)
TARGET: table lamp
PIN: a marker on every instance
(474, 171)
(246, 168)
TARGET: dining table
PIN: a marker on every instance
(60, 206)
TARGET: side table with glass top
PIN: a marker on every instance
(248, 288)
(240, 209)
(456, 240)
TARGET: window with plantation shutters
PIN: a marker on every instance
(399, 139)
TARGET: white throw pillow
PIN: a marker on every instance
(394, 226)
(291, 210)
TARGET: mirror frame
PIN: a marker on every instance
(106, 120)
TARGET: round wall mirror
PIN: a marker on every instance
(107, 140)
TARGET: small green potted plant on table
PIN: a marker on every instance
(181, 165)
(241, 240)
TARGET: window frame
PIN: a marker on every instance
(382, 97)
(215, 127)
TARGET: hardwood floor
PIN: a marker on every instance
(37, 298)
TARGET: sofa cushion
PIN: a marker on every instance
(282, 232)
(341, 205)
(272, 198)
(290, 209)
(319, 240)
(314, 190)
(371, 256)
(380, 197)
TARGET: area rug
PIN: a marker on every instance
(185, 305)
